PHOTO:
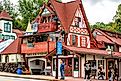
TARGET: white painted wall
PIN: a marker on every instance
(3, 58)
(13, 58)
(2, 27)
(119, 49)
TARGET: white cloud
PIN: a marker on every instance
(97, 10)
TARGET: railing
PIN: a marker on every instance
(40, 47)
(47, 27)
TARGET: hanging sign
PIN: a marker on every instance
(59, 48)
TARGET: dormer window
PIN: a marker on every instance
(7, 27)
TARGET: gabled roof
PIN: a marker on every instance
(107, 38)
(13, 48)
(65, 12)
(5, 15)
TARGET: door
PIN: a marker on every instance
(68, 67)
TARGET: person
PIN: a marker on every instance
(87, 69)
(116, 72)
(101, 73)
(62, 70)
(111, 74)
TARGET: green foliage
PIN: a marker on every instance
(29, 9)
(10, 8)
(117, 19)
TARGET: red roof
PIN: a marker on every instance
(18, 32)
(86, 50)
(5, 15)
(107, 38)
(13, 48)
(39, 47)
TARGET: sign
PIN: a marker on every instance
(59, 48)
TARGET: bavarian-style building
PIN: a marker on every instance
(66, 22)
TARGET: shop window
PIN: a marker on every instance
(76, 64)
(83, 42)
(101, 62)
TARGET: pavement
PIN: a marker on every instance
(43, 77)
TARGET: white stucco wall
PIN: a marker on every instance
(2, 27)
(13, 58)
(119, 49)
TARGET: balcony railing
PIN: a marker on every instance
(47, 27)
(40, 47)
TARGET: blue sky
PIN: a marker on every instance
(97, 10)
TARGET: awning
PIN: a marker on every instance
(85, 50)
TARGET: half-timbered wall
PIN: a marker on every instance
(79, 30)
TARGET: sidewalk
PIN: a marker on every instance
(41, 77)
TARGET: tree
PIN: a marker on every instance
(117, 19)
(10, 8)
(29, 9)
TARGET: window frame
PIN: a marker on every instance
(7, 27)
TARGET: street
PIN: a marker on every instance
(16, 79)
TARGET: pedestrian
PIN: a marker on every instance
(101, 73)
(62, 70)
(87, 69)
(115, 73)
(111, 74)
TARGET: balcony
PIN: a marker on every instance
(40, 47)
(47, 27)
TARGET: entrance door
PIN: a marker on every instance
(68, 67)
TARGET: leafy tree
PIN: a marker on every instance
(117, 19)
(29, 9)
(10, 8)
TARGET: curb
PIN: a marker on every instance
(29, 78)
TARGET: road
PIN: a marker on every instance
(16, 79)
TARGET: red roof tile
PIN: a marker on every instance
(111, 38)
(18, 32)
(13, 48)
(38, 47)
(5, 15)
(86, 50)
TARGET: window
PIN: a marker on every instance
(101, 62)
(110, 47)
(83, 41)
(77, 20)
(73, 39)
(7, 27)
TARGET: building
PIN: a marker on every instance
(8, 43)
(109, 40)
